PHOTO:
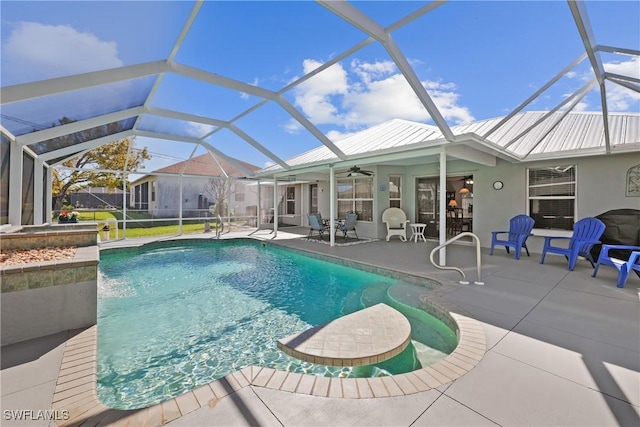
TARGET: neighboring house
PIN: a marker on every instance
(557, 175)
(159, 192)
(97, 198)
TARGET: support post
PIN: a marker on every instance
(332, 205)
(48, 204)
(38, 188)
(15, 184)
(275, 206)
(442, 207)
(259, 210)
(180, 208)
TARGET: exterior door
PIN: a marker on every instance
(427, 197)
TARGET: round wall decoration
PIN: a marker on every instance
(498, 185)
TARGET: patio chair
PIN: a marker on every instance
(396, 221)
(586, 233)
(349, 225)
(315, 224)
(624, 267)
(520, 227)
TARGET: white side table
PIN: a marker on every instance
(417, 231)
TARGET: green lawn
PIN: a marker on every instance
(135, 230)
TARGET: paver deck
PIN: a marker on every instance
(368, 336)
(562, 348)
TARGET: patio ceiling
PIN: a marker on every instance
(108, 104)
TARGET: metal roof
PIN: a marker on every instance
(525, 136)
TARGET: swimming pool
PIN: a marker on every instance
(177, 315)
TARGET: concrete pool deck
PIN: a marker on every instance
(562, 349)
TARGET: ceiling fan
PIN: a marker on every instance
(356, 171)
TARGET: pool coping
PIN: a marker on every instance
(76, 393)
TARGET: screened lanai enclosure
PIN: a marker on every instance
(253, 113)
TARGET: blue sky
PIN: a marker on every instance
(477, 60)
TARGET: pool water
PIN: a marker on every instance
(172, 318)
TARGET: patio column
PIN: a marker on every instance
(229, 202)
(443, 206)
(38, 189)
(48, 204)
(124, 206)
(180, 209)
(275, 206)
(15, 184)
(332, 205)
(259, 210)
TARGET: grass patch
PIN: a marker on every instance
(165, 230)
(156, 228)
(96, 216)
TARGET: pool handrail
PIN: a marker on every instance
(464, 280)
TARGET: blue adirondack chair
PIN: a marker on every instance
(349, 225)
(586, 233)
(520, 227)
(624, 267)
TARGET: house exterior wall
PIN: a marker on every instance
(600, 186)
(167, 199)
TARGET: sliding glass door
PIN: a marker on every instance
(427, 197)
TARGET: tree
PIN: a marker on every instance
(219, 190)
(111, 156)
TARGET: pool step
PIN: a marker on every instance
(407, 294)
(374, 294)
(352, 302)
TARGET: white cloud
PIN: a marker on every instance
(620, 98)
(198, 130)
(35, 51)
(336, 135)
(582, 106)
(369, 93)
(292, 127)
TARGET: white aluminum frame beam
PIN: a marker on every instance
(75, 149)
(581, 19)
(220, 124)
(578, 94)
(15, 183)
(183, 34)
(361, 21)
(536, 94)
(205, 144)
(79, 126)
(236, 85)
(26, 91)
(575, 102)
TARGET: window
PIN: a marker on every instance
(153, 191)
(356, 195)
(552, 196)
(313, 207)
(238, 196)
(395, 195)
(291, 200)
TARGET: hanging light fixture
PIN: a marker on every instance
(464, 189)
